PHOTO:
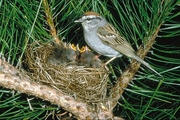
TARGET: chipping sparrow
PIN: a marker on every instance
(86, 56)
(68, 54)
(103, 38)
(64, 55)
(88, 59)
(96, 63)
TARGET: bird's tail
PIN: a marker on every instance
(145, 64)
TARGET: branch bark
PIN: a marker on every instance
(12, 78)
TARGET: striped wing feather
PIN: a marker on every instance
(111, 37)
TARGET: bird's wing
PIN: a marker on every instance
(111, 37)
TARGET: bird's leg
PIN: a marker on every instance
(110, 60)
(105, 65)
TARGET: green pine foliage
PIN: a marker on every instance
(146, 97)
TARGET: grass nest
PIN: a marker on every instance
(87, 84)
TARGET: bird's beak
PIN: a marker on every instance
(78, 21)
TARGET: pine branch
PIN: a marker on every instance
(12, 78)
(23, 14)
(50, 22)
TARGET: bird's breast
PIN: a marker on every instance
(95, 43)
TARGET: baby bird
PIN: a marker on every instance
(88, 59)
(63, 55)
(68, 54)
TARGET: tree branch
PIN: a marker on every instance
(50, 22)
(12, 78)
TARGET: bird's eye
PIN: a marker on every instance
(88, 19)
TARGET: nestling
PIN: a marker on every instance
(63, 55)
(88, 58)
(104, 38)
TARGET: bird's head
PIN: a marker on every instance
(91, 20)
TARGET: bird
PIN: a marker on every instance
(88, 59)
(96, 63)
(68, 54)
(104, 38)
(86, 56)
(63, 55)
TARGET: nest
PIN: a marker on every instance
(87, 84)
